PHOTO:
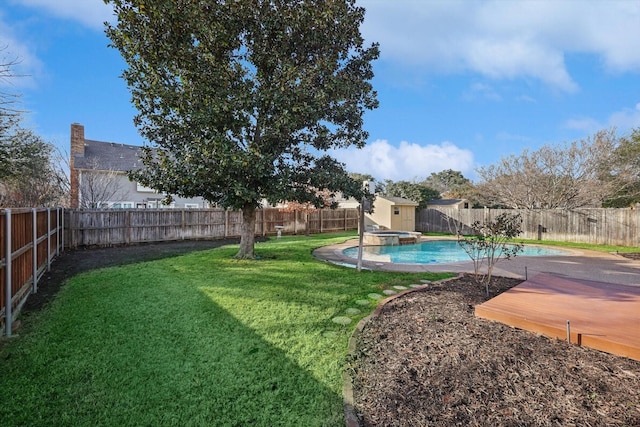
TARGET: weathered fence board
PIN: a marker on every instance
(595, 226)
(30, 239)
(117, 227)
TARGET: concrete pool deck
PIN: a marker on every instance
(578, 264)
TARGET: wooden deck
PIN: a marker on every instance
(602, 316)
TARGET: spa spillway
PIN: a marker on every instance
(390, 238)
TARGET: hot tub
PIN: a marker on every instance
(390, 238)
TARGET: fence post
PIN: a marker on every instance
(226, 223)
(321, 224)
(34, 259)
(7, 272)
(62, 229)
(48, 239)
(127, 227)
(184, 225)
(264, 222)
(72, 235)
(57, 231)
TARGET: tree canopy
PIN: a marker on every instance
(449, 183)
(625, 172)
(33, 175)
(568, 176)
(9, 116)
(241, 98)
(416, 192)
(30, 171)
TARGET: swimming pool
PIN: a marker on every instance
(432, 252)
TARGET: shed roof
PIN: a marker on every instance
(399, 201)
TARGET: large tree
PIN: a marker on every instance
(414, 191)
(34, 176)
(9, 115)
(31, 172)
(241, 98)
(625, 172)
(449, 183)
(566, 176)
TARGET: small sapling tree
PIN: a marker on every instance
(491, 241)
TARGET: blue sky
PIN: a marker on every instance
(460, 83)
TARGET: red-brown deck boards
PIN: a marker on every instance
(603, 316)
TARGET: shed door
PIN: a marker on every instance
(408, 218)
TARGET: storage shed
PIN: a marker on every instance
(392, 213)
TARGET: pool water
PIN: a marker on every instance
(432, 252)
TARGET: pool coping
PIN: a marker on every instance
(335, 255)
(578, 263)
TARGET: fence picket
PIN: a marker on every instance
(27, 251)
(599, 226)
(117, 227)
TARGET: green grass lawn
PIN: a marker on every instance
(588, 246)
(199, 339)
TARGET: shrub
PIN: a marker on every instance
(490, 242)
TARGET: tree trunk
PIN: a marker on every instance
(247, 233)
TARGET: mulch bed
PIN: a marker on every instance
(631, 255)
(426, 360)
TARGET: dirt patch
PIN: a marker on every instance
(426, 360)
(72, 262)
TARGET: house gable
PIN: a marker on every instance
(112, 161)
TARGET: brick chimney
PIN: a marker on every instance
(77, 149)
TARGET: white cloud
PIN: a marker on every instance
(408, 161)
(505, 40)
(90, 13)
(584, 124)
(483, 90)
(26, 66)
(526, 98)
(626, 119)
(506, 136)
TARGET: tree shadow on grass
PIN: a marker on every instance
(148, 361)
(72, 262)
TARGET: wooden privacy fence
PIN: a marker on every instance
(595, 226)
(30, 239)
(125, 226)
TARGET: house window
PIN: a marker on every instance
(396, 211)
(122, 205)
(142, 189)
(466, 205)
(191, 205)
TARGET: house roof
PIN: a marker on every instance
(109, 156)
(444, 202)
(400, 201)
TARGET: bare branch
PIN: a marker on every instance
(97, 186)
(568, 176)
